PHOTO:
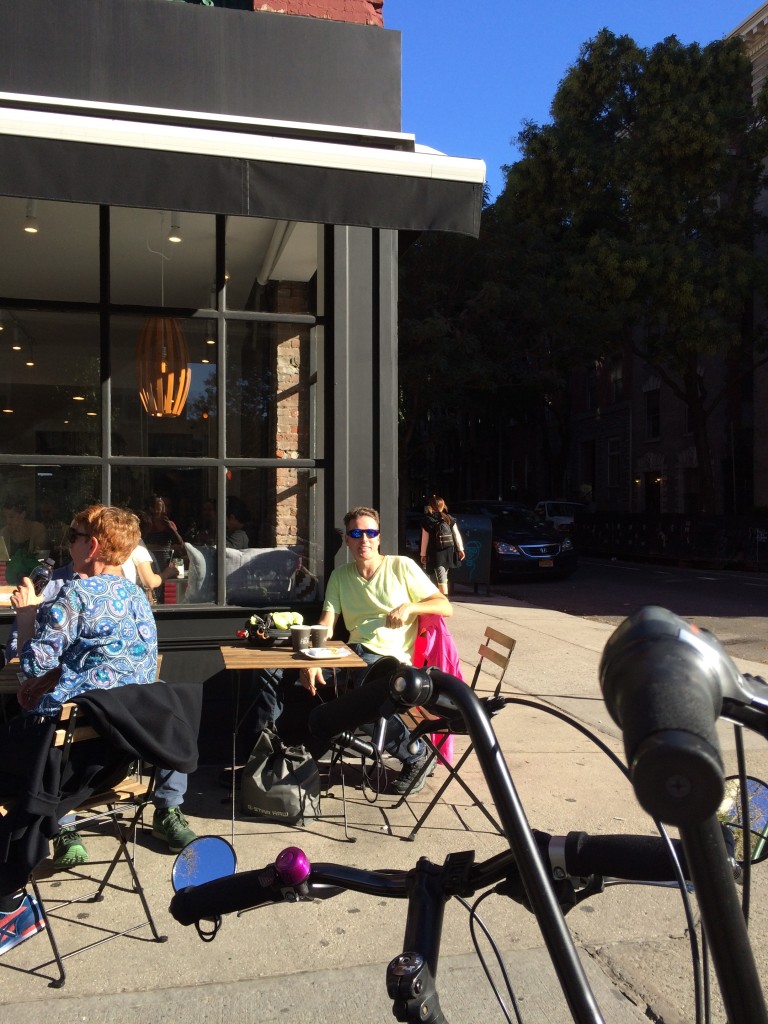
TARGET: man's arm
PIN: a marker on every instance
(436, 604)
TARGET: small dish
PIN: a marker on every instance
(326, 652)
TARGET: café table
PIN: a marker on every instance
(245, 657)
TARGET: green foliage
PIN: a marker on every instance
(638, 206)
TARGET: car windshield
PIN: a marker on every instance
(516, 519)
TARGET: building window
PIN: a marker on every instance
(652, 417)
(240, 292)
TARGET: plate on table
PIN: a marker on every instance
(326, 652)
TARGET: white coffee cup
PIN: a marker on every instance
(301, 637)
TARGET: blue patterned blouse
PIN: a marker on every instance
(101, 632)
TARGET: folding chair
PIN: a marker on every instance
(116, 809)
(430, 730)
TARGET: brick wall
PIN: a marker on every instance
(362, 12)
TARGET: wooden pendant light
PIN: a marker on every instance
(162, 367)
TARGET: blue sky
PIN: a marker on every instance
(474, 70)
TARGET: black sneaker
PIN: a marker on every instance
(412, 777)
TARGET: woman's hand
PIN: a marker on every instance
(33, 688)
(399, 616)
(24, 595)
(462, 555)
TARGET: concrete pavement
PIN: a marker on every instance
(325, 961)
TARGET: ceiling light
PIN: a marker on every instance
(78, 398)
(16, 347)
(30, 221)
(174, 235)
(30, 362)
(7, 410)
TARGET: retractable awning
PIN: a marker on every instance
(154, 158)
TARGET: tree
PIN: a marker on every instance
(638, 205)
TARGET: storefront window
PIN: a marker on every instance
(37, 505)
(63, 368)
(149, 269)
(271, 265)
(50, 387)
(269, 388)
(60, 260)
(270, 516)
(190, 434)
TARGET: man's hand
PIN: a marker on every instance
(311, 678)
(399, 616)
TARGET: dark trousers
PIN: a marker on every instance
(277, 696)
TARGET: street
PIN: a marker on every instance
(734, 605)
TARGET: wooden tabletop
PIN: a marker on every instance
(9, 680)
(245, 656)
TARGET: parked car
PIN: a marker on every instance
(560, 514)
(521, 544)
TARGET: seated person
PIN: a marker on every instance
(97, 633)
(239, 528)
(168, 824)
(381, 598)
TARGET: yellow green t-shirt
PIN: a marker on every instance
(365, 604)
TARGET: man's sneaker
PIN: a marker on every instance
(68, 849)
(169, 823)
(20, 924)
(412, 777)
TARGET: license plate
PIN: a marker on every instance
(545, 563)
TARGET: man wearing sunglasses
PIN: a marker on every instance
(380, 598)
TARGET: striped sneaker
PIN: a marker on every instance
(20, 924)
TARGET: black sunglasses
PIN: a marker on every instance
(357, 534)
(73, 534)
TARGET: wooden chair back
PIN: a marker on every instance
(497, 656)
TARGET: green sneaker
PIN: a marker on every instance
(169, 824)
(68, 849)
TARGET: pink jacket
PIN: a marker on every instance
(434, 646)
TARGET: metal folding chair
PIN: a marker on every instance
(115, 811)
(495, 653)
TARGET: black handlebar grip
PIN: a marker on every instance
(641, 858)
(225, 896)
(662, 685)
(365, 704)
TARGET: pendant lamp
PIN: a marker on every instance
(162, 367)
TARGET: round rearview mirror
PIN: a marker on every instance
(731, 813)
(204, 859)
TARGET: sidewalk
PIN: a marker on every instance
(325, 961)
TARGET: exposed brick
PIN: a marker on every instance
(361, 12)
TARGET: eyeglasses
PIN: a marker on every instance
(357, 534)
(73, 534)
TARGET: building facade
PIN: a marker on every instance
(200, 210)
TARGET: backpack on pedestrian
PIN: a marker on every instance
(442, 535)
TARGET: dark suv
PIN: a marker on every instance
(521, 544)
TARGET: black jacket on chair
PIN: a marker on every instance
(157, 722)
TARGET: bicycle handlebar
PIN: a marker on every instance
(577, 855)
(666, 683)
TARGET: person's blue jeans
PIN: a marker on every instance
(170, 787)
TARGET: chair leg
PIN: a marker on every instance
(453, 774)
(57, 957)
